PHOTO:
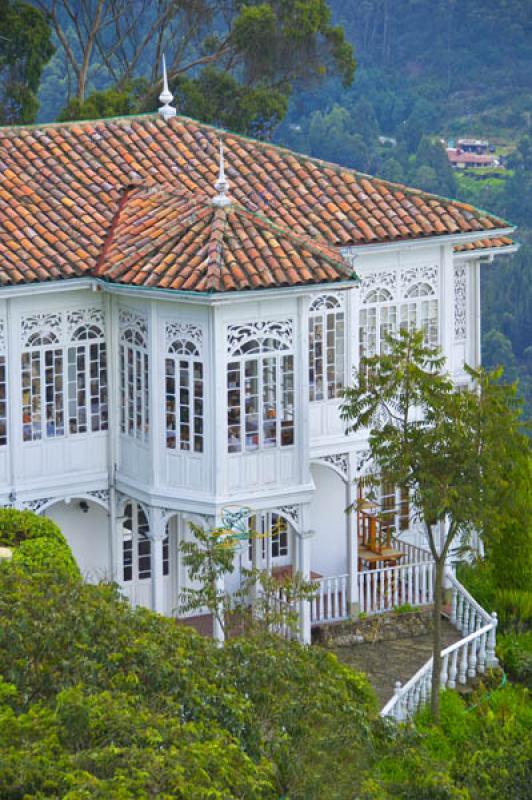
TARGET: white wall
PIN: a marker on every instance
(87, 534)
(328, 520)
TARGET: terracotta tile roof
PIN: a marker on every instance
(181, 241)
(484, 244)
(64, 208)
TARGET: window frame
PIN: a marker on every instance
(326, 315)
(265, 381)
(134, 367)
(183, 360)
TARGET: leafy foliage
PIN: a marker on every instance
(39, 546)
(25, 48)
(454, 452)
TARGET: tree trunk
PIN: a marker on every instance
(439, 567)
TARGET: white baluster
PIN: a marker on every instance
(361, 596)
(396, 581)
(462, 672)
(398, 711)
(453, 606)
(368, 593)
(344, 596)
(472, 670)
(444, 671)
(322, 600)
(465, 628)
(416, 586)
(451, 683)
(492, 660)
(409, 586)
(334, 599)
(482, 654)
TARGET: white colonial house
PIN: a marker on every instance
(174, 342)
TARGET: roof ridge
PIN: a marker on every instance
(216, 242)
(111, 232)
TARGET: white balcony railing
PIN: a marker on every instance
(460, 661)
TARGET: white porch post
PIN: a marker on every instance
(351, 550)
(303, 545)
(217, 622)
(157, 534)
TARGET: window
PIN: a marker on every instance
(87, 381)
(42, 388)
(326, 348)
(63, 374)
(260, 402)
(184, 397)
(272, 531)
(394, 503)
(381, 316)
(134, 384)
(136, 545)
(3, 401)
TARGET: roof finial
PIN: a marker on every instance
(222, 184)
(166, 96)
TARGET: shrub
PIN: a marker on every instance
(515, 652)
(38, 544)
(514, 608)
(46, 556)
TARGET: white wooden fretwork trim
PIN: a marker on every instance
(100, 494)
(426, 274)
(41, 327)
(291, 513)
(379, 280)
(270, 336)
(340, 461)
(37, 505)
(332, 301)
(58, 328)
(84, 316)
(184, 338)
(128, 319)
(460, 302)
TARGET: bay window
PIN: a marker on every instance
(134, 383)
(184, 397)
(260, 401)
(326, 348)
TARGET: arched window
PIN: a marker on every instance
(378, 295)
(136, 544)
(184, 396)
(3, 387)
(87, 380)
(326, 348)
(42, 387)
(260, 387)
(419, 290)
(134, 383)
(380, 315)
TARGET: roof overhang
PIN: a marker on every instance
(352, 251)
(156, 293)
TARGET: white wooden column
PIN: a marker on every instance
(217, 628)
(157, 534)
(351, 546)
(303, 543)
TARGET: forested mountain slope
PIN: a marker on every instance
(431, 70)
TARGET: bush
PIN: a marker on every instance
(514, 608)
(17, 526)
(46, 556)
(515, 652)
(38, 544)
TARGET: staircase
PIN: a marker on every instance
(462, 660)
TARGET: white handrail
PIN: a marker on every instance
(459, 661)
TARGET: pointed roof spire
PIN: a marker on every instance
(166, 96)
(222, 184)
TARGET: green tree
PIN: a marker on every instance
(451, 450)
(264, 48)
(25, 48)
